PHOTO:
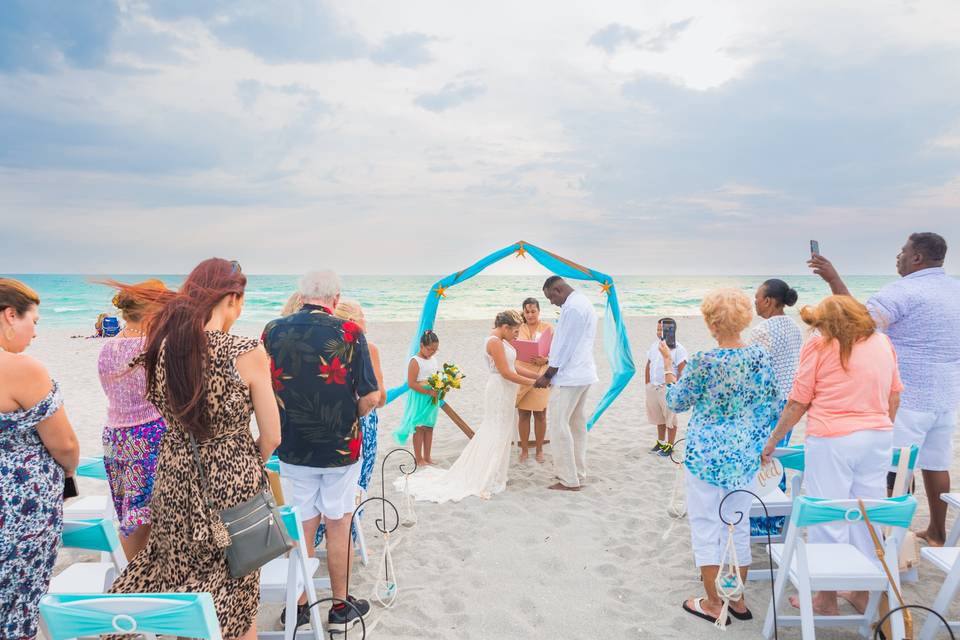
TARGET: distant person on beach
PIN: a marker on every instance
(732, 391)
(571, 371)
(531, 401)
(658, 412)
(921, 315)
(324, 382)
(481, 468)
(293, 304)
(849, 387)
(206, 383)
(134, 427)
(38, 448)
(420, 414)
(782, 339)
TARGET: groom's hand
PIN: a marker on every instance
(542, 382)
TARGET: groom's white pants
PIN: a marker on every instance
(567, 421)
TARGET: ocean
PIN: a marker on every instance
(75, 301)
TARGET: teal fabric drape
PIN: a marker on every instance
(615, 341)
(190, 615)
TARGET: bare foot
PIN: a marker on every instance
(524, 455)
(821, 606)
(562, 487)
(430, 463)
(857, 599)
(931, 542)
(540, 457)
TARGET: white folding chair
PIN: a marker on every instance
(947, 560)
(953, 536)
(90, 577)
(837, 567)
(285, 579)
(189, 615)
(90, 507)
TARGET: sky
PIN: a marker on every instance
(680, 137)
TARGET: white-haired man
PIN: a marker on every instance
(324, 382)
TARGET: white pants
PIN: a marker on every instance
(932, 432)
(567, 421)
(845, 467)
(708, 533)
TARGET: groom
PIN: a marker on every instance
(571, 372)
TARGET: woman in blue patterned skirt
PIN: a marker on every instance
(38, 447)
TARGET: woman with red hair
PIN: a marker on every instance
(206, 383)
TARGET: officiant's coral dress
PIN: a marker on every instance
(528, 398)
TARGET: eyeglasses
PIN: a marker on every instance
(235, 267)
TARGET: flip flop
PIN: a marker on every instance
(698, 611)
(741, 615)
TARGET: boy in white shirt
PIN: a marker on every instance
(656, 391)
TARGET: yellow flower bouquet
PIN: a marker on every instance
(450, 377)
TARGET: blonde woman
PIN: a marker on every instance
(481, 469)
(732, 391)
(849, 387)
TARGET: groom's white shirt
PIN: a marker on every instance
(571, 351)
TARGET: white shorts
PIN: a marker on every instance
(932, 432)
(657, 410)
(330, 492)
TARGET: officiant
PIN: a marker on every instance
(531, 401)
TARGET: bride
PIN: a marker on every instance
(481, 469)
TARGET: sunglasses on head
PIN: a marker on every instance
(235, 267)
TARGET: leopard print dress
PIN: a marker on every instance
(180, 555)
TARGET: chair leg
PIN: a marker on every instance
(870, 613)
(290, 623)
(954, 535)
(941, 604)
(807, 621)
(315, 621)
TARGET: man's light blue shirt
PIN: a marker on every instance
(921, 314)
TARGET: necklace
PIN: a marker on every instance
(135, 333)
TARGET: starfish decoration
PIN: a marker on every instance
(521, 251)
(441, 291)
(606, 286)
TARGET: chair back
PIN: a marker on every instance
(94, 535)
(190, 615)
(92, 468)
(912, 460)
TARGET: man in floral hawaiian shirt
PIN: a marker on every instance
(324, 382)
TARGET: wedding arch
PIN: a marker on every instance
(615, 341)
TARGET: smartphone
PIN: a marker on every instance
(70, 488)
(670, 333)
(814, 248)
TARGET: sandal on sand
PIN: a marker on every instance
(698, 611)
(741, 615)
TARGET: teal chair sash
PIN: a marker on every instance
(912, 462)
(95, 535)
(894, 512)
(291, 520)
(92, 468)
(273, 464)
(189, 615)
(791, 457)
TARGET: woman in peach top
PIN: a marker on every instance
(849, 386)
(531, 401)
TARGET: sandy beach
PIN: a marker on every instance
(608, 562)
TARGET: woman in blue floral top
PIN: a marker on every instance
(732, 391)
(37, 449)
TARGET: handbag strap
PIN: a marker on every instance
(203, 477)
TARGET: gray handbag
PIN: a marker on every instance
(251, 533)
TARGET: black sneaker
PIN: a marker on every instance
(657, 448)
(346, 617)
(303, 615)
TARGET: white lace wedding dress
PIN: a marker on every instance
(481, 469)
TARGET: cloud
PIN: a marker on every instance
(40, 36)
(453, 94)
(294, 31)
(615, 36)
(404, 50)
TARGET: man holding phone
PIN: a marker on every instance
(658, 412)
(921, 315)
